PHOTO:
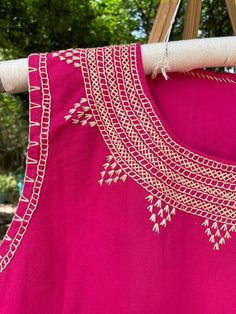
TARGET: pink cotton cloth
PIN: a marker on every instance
(84, 239)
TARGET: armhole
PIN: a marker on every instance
(36, 156)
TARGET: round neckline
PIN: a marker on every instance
(153, 106)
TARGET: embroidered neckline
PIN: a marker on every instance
(159, 121)
(141, 145)
(176, 178)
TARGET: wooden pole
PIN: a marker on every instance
(231, 6)
(192, 19)
(162, 20)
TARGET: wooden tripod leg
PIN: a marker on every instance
(231, 6)
(162, 20)
(192, 19)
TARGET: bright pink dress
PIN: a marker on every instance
(129, 198)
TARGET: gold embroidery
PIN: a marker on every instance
(112, 172)
(82, 113)
(217, 232)
(69, 56)
(160, 215)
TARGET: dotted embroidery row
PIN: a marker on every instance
(209, 77)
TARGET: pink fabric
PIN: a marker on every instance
(78, 247)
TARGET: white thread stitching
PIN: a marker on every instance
(220, 218)
(44, 146)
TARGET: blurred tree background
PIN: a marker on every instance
(29, 26)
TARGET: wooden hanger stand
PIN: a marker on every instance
(166, 12)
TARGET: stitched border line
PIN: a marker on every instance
(36, 159)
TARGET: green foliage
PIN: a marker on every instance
(126, 20)
(142, 13)
(13, 132)
(46, 25)
(112, 21)
(215, 19)
(8, 183)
